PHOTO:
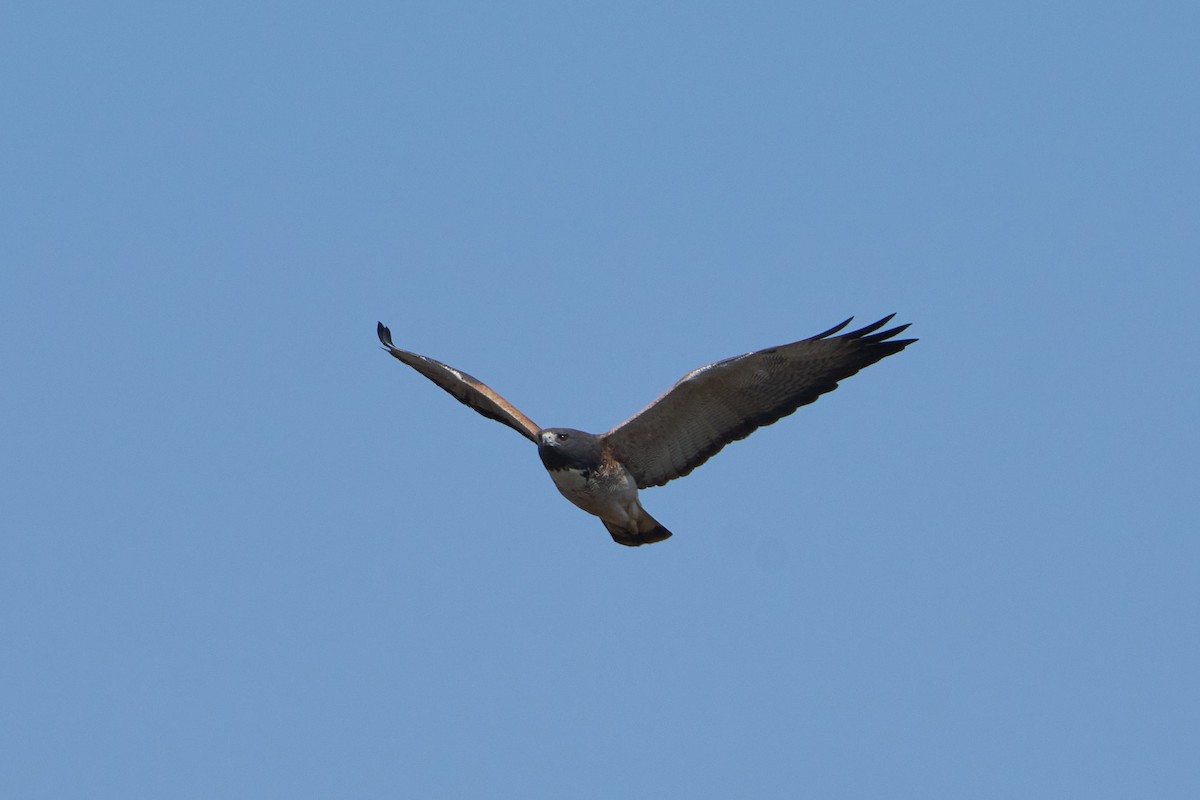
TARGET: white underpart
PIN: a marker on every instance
(612, 498)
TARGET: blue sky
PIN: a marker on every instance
(246, 554)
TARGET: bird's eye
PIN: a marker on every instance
(562, 437)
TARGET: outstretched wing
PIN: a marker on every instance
(466, 390)
(726, 401)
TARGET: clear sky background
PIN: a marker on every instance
(247, 555)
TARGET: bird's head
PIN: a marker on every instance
(567, 448)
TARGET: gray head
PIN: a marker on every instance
(567, 448)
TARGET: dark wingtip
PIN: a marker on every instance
(831, 331)
(862, 333)
(885, 335)
(866, 334)
(385, 336)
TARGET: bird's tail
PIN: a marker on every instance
(646, 530)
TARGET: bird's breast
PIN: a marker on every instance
(570, 479)
(603, 492)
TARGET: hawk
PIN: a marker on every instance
(705, 410)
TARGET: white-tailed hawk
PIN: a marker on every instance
(706, 410)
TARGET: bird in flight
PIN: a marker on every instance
(705, 410)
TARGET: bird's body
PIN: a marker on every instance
(704, 411)
(587, 474)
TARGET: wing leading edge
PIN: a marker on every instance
(467, 390)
